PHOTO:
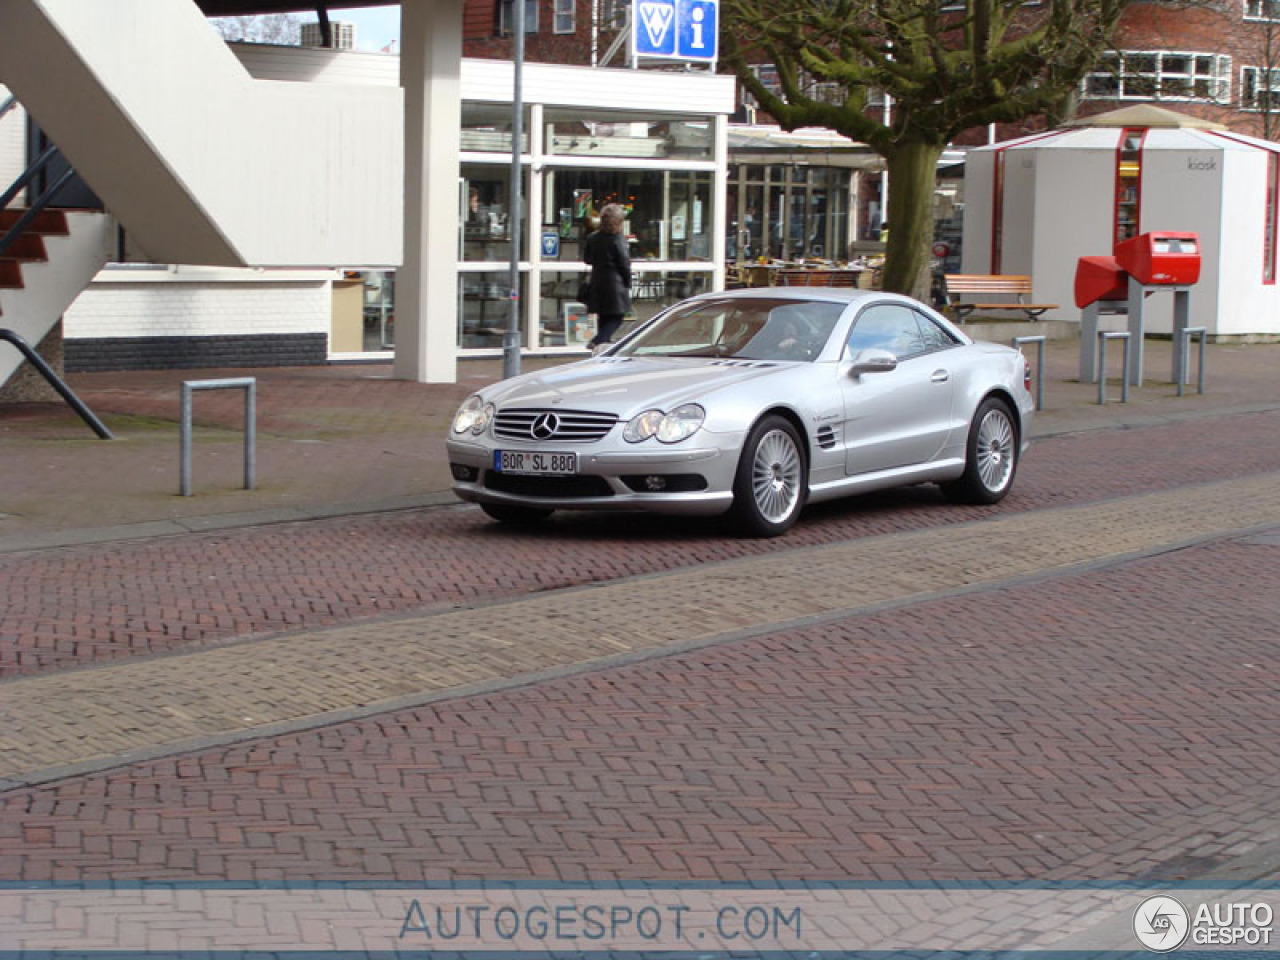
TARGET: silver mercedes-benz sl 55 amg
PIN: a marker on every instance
(751, 403)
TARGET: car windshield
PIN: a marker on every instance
(744, 328)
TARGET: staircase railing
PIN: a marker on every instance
(7, 241)
(57, 383)
(41, 202)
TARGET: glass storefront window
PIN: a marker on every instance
(486, 128)
(379, 310)
(562, 319)
(652, 292)
(600, 134)
(806, 209)
(484, 306)
(485, 214)
(669, 214)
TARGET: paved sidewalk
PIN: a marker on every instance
(348, 439)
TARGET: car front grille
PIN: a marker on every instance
(561, 426)
(553, 488)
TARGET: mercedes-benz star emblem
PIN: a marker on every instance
(545, 427)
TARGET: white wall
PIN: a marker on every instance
(113, 307)
(1074, 212)
(1245, 304)
(1182, 191)
(646, 91)
(13, 142)
(975, 252)
(1018, 235)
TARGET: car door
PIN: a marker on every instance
(902, 416)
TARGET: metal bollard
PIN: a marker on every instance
(1039, 342)
(1186, 333)
(1103, 337)
(250, 387)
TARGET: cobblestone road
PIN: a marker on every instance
(1079, 684)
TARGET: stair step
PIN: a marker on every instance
(10, 275)
(53, 222)
(28, 247)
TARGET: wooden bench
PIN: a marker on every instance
(982, 284)
(817, 277)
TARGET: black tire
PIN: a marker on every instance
(991, 456)
(772, 482)
(515, 516)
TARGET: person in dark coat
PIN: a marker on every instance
(609, 288)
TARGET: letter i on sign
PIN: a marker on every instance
(698, 15)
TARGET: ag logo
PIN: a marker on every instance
(1161, 924)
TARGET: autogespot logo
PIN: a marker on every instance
(1161, 924)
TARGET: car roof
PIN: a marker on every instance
(828, 294)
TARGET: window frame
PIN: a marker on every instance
(1122, 69)
(561, 9)
(505, 10)
(1260, 16)
(1256, 72)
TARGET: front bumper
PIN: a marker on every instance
(609, 477)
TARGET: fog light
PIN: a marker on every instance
(464, 474)
(655, 483)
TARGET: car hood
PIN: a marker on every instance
(626, 386)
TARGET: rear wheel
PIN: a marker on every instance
(991, 458)
(515, 516)
(772, 480)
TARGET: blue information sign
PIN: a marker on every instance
(677, 29)
(550, 245)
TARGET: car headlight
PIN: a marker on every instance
(474, 415)
(679, 424)
(642, 427)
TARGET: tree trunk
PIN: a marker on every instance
(913, 172)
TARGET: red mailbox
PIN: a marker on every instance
(1156, 259)
(1100, 278)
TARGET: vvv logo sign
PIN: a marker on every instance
(676, 29)
(656, 19)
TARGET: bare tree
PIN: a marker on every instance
(947, 66)
(278, 28)
(1260, 90)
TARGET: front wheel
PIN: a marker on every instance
(515, 516)
(772, 480)
(991, 458)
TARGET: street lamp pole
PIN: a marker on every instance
(515, 226)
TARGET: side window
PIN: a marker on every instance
(887, 326)
(933, 336)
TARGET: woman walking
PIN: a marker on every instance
(609, 289)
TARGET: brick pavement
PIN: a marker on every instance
(103, 602)
(110, 713)
(1047, 731)
(1110, 722)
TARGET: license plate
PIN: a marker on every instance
(535, 462)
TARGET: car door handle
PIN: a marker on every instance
(940, 376)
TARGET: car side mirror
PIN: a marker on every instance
(872, 361)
